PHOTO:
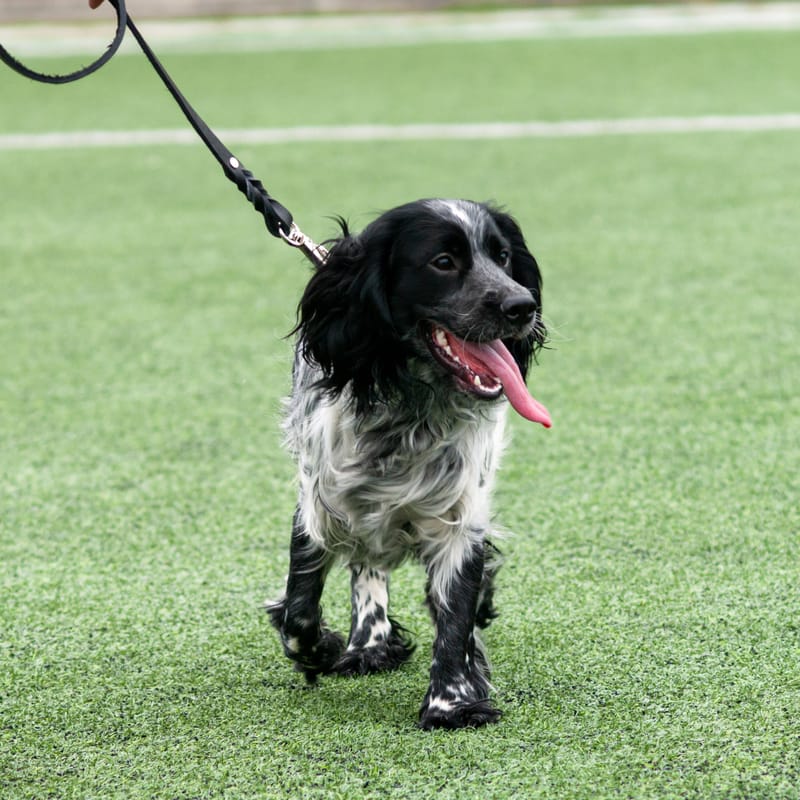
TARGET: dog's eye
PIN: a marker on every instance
(444, 262)
(503, 257)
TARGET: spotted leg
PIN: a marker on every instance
(458, 695)
(298, 616)
(377, 643)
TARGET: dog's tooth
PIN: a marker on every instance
(477, 380)
(441, 338)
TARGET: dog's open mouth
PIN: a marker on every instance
(486, 370)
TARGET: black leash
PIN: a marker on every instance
(277, 217)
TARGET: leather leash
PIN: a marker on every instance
(278, 218)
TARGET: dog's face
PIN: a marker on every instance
(447, 282)
(454, 267)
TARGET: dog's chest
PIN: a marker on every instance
(382, 483)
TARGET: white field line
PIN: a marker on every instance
(420, 132)
(261, 34)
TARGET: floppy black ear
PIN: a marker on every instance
(344, 322)
(525, 271)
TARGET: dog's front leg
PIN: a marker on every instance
(377, 642)
(458, 695)
(298, 616)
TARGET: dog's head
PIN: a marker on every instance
(447, 282)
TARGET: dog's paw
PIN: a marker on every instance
(440, 713)
(321, 656)
(314, 648)
(382, 657)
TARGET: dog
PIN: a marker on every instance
(411, 337)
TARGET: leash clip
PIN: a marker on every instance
(316, 253)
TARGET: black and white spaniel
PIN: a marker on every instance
(411, 337)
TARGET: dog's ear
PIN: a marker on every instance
(525, 271)
(344, 321)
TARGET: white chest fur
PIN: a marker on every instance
(381, 487)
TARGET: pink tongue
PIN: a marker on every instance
(495, 358)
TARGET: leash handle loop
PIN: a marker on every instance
(42, 77)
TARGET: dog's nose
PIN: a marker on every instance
(520, 309)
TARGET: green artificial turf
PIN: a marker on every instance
(648, 643)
